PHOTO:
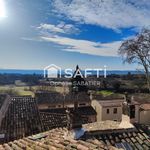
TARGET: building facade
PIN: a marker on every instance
(139, 111)
(110, 109)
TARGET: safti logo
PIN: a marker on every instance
(54, 71)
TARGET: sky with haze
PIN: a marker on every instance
(37, 33)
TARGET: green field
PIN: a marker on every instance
(17, 90)
(26, 90)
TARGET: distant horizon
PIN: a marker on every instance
(41, 72)
(64, 69)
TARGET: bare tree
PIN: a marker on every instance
(137, 50)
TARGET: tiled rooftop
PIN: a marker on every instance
(57, 98)
(49, 97)
(60, 139)
(2, 98)
(145, 106)
(53, 120)
(21, 119)
(59, 116)
(86, 110)
(140, 98)
(103, 125)
(109, 97)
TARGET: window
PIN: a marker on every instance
(82, 104)
(107, 111)
(115, 110)
(51, 106)
(132, 111)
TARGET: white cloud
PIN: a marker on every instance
(85, 46)
(50, 27)
(112, 14)
(59, 28)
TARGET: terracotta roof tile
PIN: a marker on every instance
(56, 139)
(145, 106)
(22, 118)
(58, 98)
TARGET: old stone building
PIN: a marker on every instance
(140, 110)
(108, 108)
(51, 100)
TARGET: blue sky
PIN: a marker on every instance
(36, 33)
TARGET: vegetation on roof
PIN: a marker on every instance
(104, 93)
(108, 94)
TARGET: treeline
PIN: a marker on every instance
(6, 79)
(130, 83)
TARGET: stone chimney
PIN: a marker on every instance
(74, 123)
(74, 119)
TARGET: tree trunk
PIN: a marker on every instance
(147, 77)
(148, 82)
